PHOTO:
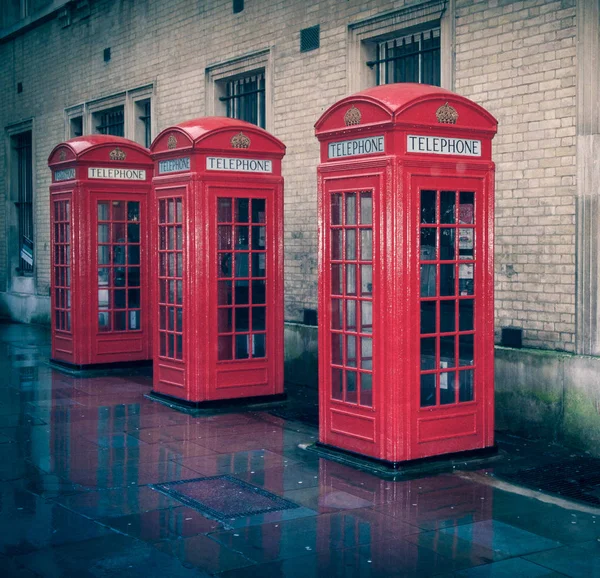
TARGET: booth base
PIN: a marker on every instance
(408, 469)
(143, 366)
(218, 405)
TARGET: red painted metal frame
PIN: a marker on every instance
(199, 375)
(76, 338)
(399, 426)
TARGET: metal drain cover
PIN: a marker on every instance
(224, 497)
(576, 479)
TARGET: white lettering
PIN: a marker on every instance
(116, 174)
(360, 146)
(237, 164)
(173, 165)
(443, 146)
(64, 175)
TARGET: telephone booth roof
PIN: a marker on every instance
(407, 104)
(215, 132)
(91, 148)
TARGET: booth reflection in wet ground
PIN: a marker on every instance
(80, 458)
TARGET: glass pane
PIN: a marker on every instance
(448, 207)
(163, 344)
(119, 254)
(259, 262)
(447, 285)
(179, 238)
(258, 345)
(351, 350)
(103, 233)
(427, 389)
(259, 238)
(103, 277)
(162, 217)
(350, 279)
(179, 286)
(179, 346)
(428, 235)
(465, 391)
(258, 210)
(366, 279)
(336, 244)
(171, 211)
(242, 211)
(225, 350)
(366, 389)
(366, 353)
(447, 316)
(366, 209)
(133, 233)
(103, 255)
(133, 276)
(465, 278)
(224, 320)
(350, 244)
(224, 262)
(133, 211)
(171, 318)
(179, 319)
(224, 216)
(465, 350)
(259, 318)
(241, 347)
(427, 317)
(224, 238)
(351, 389)
(242, 319)
(427, 280)
(336, 209)
(466, 212)
(337, 385)
(133, 254)
(103, 299)
(428, 360)
(336, 280)
(336, 313)
(241, 293)
(447, 351)
(259, 294)
(447, 387)
(120, 299)
(120, 320)
(134, 320)
(162, 317)
(447, 244)
(241, 238)
(351, 209)
(119, 211)
(163, 291)
(241, 265)
(336, 349)
(366, 316)
(465, 315)
(428, 207)
(103, 211)
(104, 321)
(179, 210)
(224, 293)
(366, 244)
(350, 315)
(466, 238)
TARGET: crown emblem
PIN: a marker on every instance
(171, 141)
(117, 155)
(446, 114)
(352, 116)
(240, 141)
(62, 155)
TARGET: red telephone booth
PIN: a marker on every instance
(406, 207)
(218, 222)
(100, 278)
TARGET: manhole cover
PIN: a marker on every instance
(577, 479)
(224, 497)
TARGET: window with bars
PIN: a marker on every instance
(110, 121)
(244, 98)
(23, 191)
(119, 283)
(351, 234)
(143, 123)
(410, 58)
(62, 265)
(170, 277)
(448, 295)
(242, 278)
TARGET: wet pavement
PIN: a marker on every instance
(81, 461)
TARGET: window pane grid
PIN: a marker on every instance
(24, 202)
(62, 266)
(112, 121)
(170, 277)
(447, 300)
(241, 278)
(118, 261)
(245, 99)
(351, 246)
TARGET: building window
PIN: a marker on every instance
(110, 121)
(22, 177)
(244, 98)
(410, 58)
(143, 125)
(75, 126)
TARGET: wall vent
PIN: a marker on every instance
(238, 6)
(310, 38)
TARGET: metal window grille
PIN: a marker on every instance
(245, 98)
(24, 189)
(146, 120)
(412, 58)
(112, 121)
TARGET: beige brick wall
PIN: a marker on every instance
(517, 59)
(514, 58)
